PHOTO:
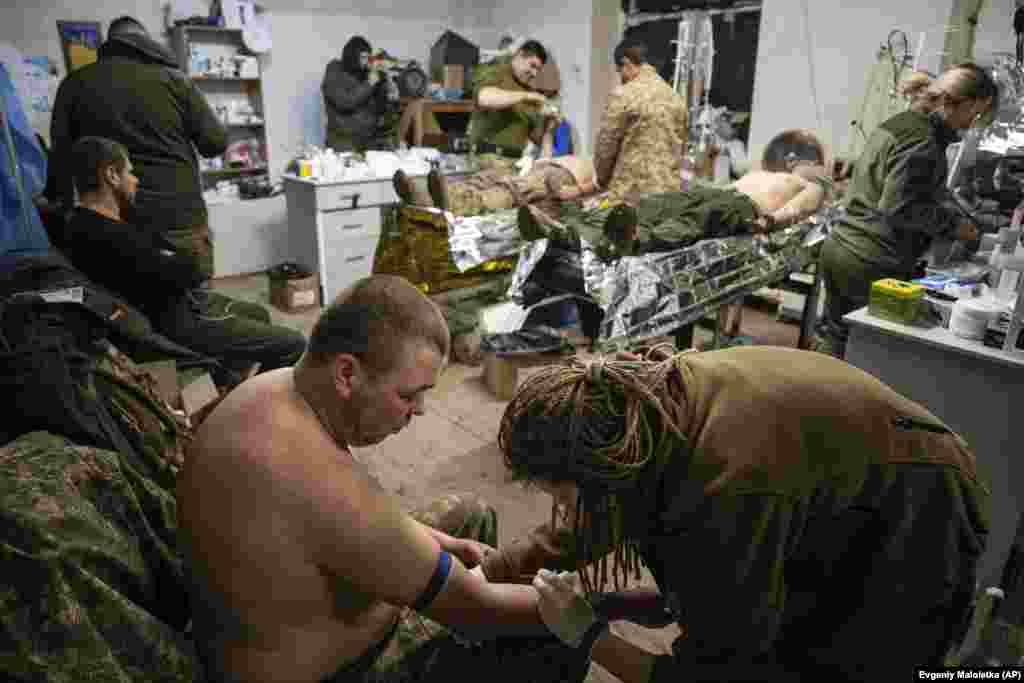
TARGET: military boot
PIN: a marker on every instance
(438, 187)
(410, 190)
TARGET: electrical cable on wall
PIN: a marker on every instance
(897, 64)
(818, 114)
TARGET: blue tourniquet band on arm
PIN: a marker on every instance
(444, 566)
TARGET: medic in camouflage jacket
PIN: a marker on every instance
(640, 142)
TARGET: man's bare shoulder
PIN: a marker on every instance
(263, 433)
(266, 435)
(246, 418)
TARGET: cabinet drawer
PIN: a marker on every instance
(345, 261)
(351, 224)
(355, 195)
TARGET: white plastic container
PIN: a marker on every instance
(971, 317)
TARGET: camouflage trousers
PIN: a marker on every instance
(461, 307)
(663, 222)
(495, 162)
(495, 190)
(420, 649)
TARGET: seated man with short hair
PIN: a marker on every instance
(310, 571)
(150, 273)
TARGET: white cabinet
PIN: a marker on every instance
(249, 236)
(334, 227)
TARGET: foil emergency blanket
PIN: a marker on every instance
(472, 240)
(655, 294)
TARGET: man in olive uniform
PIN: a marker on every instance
(509, 109)
(639, 145)
(897, 202)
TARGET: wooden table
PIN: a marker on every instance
(418, 108)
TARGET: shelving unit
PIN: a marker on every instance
(209, 55)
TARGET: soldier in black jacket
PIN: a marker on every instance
(137, 95)
(361, 103)
(149, 272)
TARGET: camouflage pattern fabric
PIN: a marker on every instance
(421, 649)
(499, 164)
(93, 590)
(417, 248)
(93, 586)
(640, 141)
(494, 191)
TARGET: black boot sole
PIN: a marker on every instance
(403, 187)
(438, 192)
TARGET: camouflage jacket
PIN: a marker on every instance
(640, 142)
(93, 585)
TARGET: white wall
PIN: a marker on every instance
(564, 29)
(304, 42)
(606, 32)
(32, 26)
(845, 39)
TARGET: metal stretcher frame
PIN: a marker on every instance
(808, 316)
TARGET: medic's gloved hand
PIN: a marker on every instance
(565, 612)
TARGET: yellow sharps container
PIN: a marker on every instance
(895, 300)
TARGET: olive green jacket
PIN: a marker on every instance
(136, 95)
(507, 128)
(807, 483)
(897, 202)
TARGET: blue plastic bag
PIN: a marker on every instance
(562, 143)
(21, 229)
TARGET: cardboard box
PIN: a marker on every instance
(454, 76)
(296, 294)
